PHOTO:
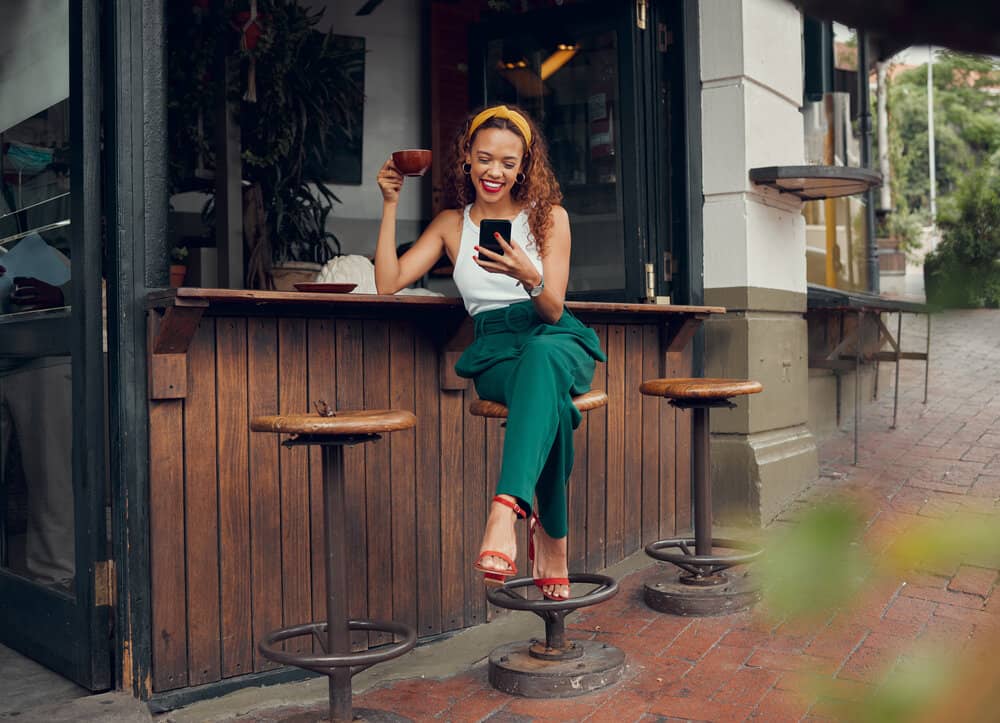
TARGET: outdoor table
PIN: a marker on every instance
(233, 539)
(823, 303)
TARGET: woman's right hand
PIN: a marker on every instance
(390, 180)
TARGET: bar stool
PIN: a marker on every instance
(701, 586)
(331, 431)
(556, 668)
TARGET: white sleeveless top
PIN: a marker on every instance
(484, 291)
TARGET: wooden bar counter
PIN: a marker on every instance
(235, 521)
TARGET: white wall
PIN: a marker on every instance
(34, 57)
(751, 68)
(394, 116)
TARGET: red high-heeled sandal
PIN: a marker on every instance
(493, 577)
(540, 582)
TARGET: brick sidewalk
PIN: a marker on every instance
(943, 457)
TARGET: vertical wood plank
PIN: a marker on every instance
(494, 456)
(633, 450)
(681, 366)
(234, 496)
(322, 371)
(576, 494)
(265, 517)
(430, 456)
(351, 395)
(166, 544)
(668, 456)
(454, 568)
(650, 437)
(597, 478)
(402, 459)
(475, 464)
(615, 509)
(296, 560)
(201, 508)
(378, 480)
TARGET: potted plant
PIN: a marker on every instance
(295, 96)
(178, 266)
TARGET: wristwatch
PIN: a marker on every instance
(538, 288)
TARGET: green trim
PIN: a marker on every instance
(753, 298)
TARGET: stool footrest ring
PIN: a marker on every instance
(326, 662)
(505, 597)
(679, 551)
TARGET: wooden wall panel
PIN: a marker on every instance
(615, 490)
(296, 558)
(166, 549)
(351, 395)
(474, 462)
(378, 480)
(265, 488)
(576, 494)
(597, 465)
(632, 463)
(234, 496)
(403, 489)
(428, 458)
(322, 371)
(651, 369)
(201, 509)
(417, 500)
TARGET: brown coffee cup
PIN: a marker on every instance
(413, 161)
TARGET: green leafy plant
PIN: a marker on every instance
(305, 96)
(179, 255)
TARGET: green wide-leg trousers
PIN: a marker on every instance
(535, 372)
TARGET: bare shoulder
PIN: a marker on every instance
(558, 215)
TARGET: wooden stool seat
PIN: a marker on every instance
(346, 423)
(584, 402)
(334, 657)
(692, 390)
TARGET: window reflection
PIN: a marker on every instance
(570, 86)
(36, 483)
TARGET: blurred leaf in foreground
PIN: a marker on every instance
(816, 565)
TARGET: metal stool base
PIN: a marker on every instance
(667, 593)
(515, 671)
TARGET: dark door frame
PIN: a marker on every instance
(135, 210)
(71, 633)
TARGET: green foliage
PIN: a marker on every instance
(304, 97)
(965, 269)
(179, 254)
(817, 559)
(966, 125)
(821, 566)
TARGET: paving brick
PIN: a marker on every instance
(693, 643)
(781, 706)
(933, 594)
(973, 581)
(910, 610)
(747, 686)
(697, 709)
(870, 663)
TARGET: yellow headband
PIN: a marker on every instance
(502, 111)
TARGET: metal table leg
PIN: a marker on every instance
(899, 351)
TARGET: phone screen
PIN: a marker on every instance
(489, 226)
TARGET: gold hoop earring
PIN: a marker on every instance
(520, 178)
(467, 168)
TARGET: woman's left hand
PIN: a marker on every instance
(512, 262)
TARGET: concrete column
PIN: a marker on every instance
(755, 253)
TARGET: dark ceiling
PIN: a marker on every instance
(971, 26)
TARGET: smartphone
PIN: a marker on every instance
(490, 226)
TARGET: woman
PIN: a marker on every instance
(529, 353)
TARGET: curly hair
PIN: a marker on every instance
(538, 193)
